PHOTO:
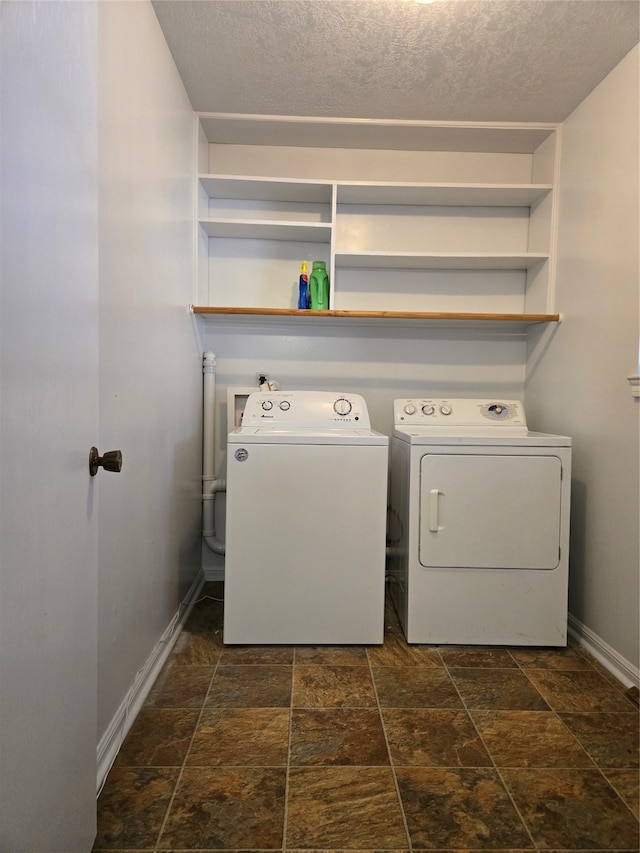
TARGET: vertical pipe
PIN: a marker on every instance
(208, 416)
(209, 484)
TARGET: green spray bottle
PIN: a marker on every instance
(319, 286)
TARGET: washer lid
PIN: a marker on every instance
(460, 437)
(462, 431)
(268, 435)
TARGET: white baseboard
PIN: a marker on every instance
(118, 728)
(611, 660)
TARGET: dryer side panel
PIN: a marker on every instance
(398, 523)
(490, 511)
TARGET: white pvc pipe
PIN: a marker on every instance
(210, 486)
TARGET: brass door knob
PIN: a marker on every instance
(111, 461)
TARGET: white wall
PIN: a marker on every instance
(577, 377)
(150, 369)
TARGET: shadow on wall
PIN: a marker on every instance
(185, 513)
(577, 548)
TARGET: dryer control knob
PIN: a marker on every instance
(410, 409)
(285, 405)
(445, 410)
(429, 409)
(267, 405)
(342, 406)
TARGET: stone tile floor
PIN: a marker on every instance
(383, 748)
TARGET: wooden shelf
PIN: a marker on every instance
(428, 316)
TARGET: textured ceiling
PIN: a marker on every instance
(450, 60)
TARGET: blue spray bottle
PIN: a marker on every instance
(303, 295)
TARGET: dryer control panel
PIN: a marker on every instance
(280, 410)
(459, 413)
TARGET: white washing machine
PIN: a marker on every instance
(479, 524)
(306, 522)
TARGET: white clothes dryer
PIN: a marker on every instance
(306, 522)
(479, 524)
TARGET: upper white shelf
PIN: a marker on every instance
(367, 192)
(434, 261)
(390, 134)
(463, 195)
(484, 196)
(266, 189)
(265, 229)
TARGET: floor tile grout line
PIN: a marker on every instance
(535, 767)
(608, 684)
(557, 713)
(157, 848)
(595, 766)
(491, 758)
(560, 767)
(619, 795)
(285, 814)
(391, 762)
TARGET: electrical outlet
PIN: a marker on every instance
(262, 377)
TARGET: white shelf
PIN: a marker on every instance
(437, 261)
(266, 189)
(390, 134)
(466, 228)
(367, 192)
(260, 229)
(443, 194)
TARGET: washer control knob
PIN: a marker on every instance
(445, 409)
(429, 409)
(342, 406)
(267, 405)
(410, 409)
(285, 405)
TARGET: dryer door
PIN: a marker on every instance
(490, 511)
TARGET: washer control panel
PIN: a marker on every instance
(458, 412)
(305, 410)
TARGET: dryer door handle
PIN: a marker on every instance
(434, 495)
